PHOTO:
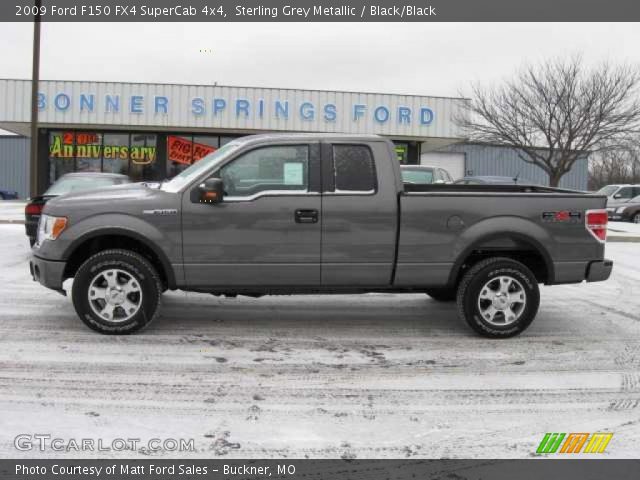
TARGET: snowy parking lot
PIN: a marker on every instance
(376, 375)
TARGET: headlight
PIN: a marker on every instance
(620, 209)
(50, 228)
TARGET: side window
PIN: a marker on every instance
(625, 193)
(278, 168)
(354, 169)
(447, 177)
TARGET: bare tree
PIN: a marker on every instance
(620, 164)
(556, 112)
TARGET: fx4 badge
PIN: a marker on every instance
(564, 216)
(161, 211)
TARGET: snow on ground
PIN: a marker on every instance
(624, 228)
(369, 376)
(12, 210)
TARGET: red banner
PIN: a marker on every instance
(181, 150)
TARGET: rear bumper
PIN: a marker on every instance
(599, 270)
(48, 273)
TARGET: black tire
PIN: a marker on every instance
(481, 280)
(130, 265)
(442, 294)
(636, 218)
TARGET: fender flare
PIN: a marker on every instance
(123, 232)
(538, 246)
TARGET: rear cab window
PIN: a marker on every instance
(354, 170)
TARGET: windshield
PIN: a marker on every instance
(422, 175)
(608, 190)
(195, 170)
(78, 184)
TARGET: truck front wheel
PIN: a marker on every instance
(498, 297)
(116, 292)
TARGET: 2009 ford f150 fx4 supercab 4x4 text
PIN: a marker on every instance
(296, 214)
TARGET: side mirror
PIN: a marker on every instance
(210, 191)
(617, 196)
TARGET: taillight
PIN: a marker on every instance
(596, 223)
(33, 209)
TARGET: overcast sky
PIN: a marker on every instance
(419, 58)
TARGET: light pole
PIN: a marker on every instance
(34, 174)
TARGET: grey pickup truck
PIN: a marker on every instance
(302, 214)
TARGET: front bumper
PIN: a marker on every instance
(48, 273)
(599, 270)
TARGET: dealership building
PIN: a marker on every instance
(153, 131)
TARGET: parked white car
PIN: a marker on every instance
(619, 194)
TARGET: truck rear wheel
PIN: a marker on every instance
(116, 292)
(498, 297)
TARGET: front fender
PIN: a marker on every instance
(163, 237)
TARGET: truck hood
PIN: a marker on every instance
(128, 198)
(112, 193)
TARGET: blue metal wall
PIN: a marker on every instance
(504, 161)
(14, 164)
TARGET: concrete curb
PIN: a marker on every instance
(613, 238)
(11, 222)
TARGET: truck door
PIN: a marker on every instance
(359, 214)
(266, 231)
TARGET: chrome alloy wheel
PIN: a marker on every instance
(115, 295)
(502, 301)
(636, 218)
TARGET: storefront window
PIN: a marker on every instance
(130, 153)
(204, 145)
(402, 152)
(61, 155)
(182, 151)
(88, 149)
(143, 158)
(179, 154)
(225, 140)
(115, 153)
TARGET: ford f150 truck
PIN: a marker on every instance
(302, 214)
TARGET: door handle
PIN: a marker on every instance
(306, 216)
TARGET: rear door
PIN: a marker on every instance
(359, 214)
(266, 231)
